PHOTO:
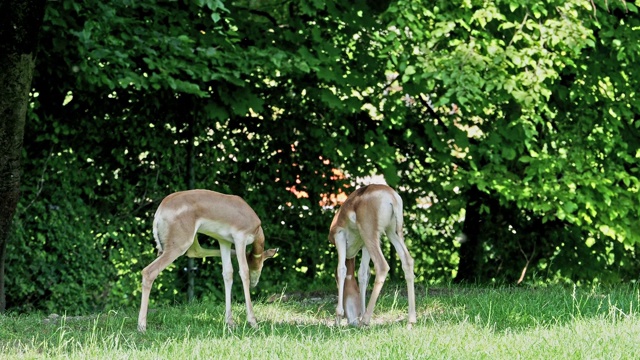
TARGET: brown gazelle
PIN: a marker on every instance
(367, 213)
(226, 218)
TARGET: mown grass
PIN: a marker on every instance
(453, 323)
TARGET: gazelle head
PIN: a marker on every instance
(255, 262)
(351, 294)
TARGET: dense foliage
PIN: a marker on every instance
(510, 122)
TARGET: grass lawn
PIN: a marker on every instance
(453, 323)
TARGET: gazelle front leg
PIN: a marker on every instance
(227, 275)
(241, 253)
(341, 272)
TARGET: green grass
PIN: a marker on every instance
(453, 323)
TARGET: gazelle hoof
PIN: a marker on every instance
(230, 325)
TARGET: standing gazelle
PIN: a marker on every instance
(226, 218)
(365, 215)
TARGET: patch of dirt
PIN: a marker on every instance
(310, 296)
(56, 319)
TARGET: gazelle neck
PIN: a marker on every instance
(257, 247)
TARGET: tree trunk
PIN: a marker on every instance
(20, 23)
(190, 180)
(470, 247)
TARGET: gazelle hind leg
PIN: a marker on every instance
(149, 274)
(171, 249)
(407, 267)
(197, 251)
(382, 268)
(363, 277)
(341, 274)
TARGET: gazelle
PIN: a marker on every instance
(366, 214)
(226, 218)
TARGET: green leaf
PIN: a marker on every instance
(330, 98)
(508, 153)
(303, 66)
(410, 70)
(569, 207)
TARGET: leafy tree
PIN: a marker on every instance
(493, 119)
(208, 75)
(526, 154)
(19, 27)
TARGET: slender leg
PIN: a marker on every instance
(149, 274)
(243, 268)
(227, 275)
(407, 267)
(196, 251)
(382, 268)
(341, 274)
(363, 277)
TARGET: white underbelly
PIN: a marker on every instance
(220, 231)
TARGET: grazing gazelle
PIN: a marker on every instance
(365, 215)
(226, 218)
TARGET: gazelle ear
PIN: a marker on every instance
(270, 253)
